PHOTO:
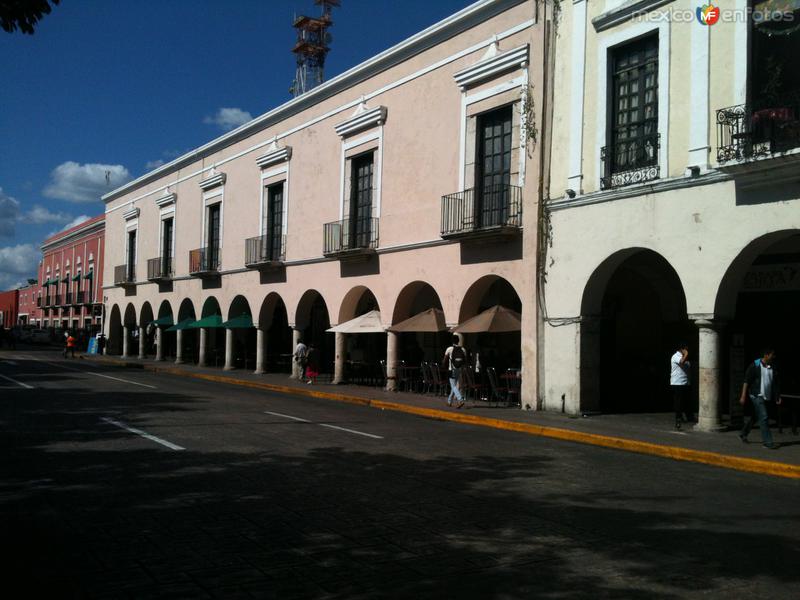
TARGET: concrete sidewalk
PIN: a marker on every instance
(642, 433)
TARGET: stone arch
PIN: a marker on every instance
(312, 320)
(146, 315)
(114, 341)
(633, 313)
(242, 340)
(165, 310)
(186, 310)
(485, 293)
(356, 302)
(168, 338)
(188, 337)
(239, 306)
(415, 347)
(414, 298)
(210, 308)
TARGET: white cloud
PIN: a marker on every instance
(229, 118)
(71, 224)
(153, 164)
(39, 215)
(85, 183)
(9, 213)
(17, 264)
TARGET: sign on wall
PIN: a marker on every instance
(782, 277)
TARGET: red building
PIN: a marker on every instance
(9, 307)
(29, 312)
(71, 277)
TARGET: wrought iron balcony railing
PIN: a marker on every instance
(205, 261)
(80, 297)
(159, 269)
(56, 300)
(481, 211)
(630, 162)
(350, 236)
(264, 250)
(68, 299)
(745, 132)
(124, 274)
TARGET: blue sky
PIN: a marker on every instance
(104, 91)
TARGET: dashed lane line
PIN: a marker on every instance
(141, 433)
(370, 435)
(152, 387)
(19, 383)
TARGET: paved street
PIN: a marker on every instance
(128, 484)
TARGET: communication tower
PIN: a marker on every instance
(311, 48)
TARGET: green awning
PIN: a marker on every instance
(163, 321)
(182, 325)
(77, 277)
(240, 322)
(89, 275)
(54, 281)
(46, 283)
(212, 322)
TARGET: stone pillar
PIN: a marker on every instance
(261, 346)
(125, 335)
(142, 343)
(338, 365)
(391, 361)
(159, 343)
(179, 347)
(589, 343)
(296, 368)
(708, 360)
(229, 366)
(201, 361)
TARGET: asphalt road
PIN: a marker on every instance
(120, 483)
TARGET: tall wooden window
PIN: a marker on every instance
(633, 137)
(273, 225)
(360, 218)
(167, 229)
(131, 270)
(213, 237)
(493, 162)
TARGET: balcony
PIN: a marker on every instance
(125, 275)
(488, 212)
(159, 269)
(80, 298)
(68, 299)
(265, 252)
(746, 134)
(205, 262)
(630, 162)
(350, 238)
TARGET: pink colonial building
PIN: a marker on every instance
(409, 182)
(71, 277)
(29, 311)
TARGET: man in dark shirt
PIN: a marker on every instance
(761, 385)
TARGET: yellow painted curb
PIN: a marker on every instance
(715, 459)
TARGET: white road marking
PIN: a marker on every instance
(9, 362)
(286, 416)
(144, 434)
(377, 437)
(152, 387)
(25, 385)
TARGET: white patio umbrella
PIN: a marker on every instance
(367, 323)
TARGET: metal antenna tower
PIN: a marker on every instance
(312, 47)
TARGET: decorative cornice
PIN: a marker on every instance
(363, 118)
(626, 12)
(90, 228)
(274, 155)
(133, 213)
(167, 200)
(491, 65)
(215, 180)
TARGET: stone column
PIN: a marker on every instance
(125, 335)
(391, 361)
(229, 366)
(159, 343)
(708, 360)
(142, 343)
(201, 362)
(179, 347)
(261, 347)
(338, 366)
(296, 368)
(589, 343)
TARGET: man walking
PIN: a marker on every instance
(761, 385)
(301, 358)
(456, 357)
(679, 382)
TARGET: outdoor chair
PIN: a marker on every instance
(439, 384)
(402, 376)
(498, 393)
(427, 381)
(468, 384)
(384, 374)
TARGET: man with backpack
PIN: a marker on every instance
(456, 358)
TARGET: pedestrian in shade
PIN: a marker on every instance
(312, 364)
(679, 382)
(761, 385)
(300, 357)
(456, 358)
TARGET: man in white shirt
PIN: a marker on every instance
(300, 357)
(679, 382)
(456, 358)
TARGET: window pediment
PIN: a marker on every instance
(363, 118)
(492, 63)
(130, 214)
(214, 180)
(166, 200)
(274, 155)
